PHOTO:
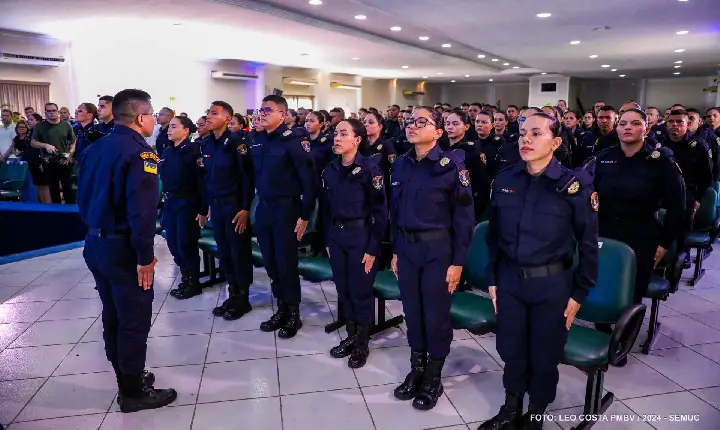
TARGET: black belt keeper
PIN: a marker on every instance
(98, 232)
(424, 236)
(547, 270)
(353, 223)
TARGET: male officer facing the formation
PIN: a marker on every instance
(285, 182)
(117, 200)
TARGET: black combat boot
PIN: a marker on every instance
(192, 289)
(292, 323)
(361, 350)
(509, 417)
(410, 387)
(533, 419)
(183, 282)
(136, 396)
(239, 305)
(220, 310)
(278, 319)
(431, 388)
(148, 379)
(346, 345)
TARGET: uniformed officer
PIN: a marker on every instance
(181, 174)
(711, 132)
(401, 143)
(431, 227)
(633, 180)
(377, 144)
(656, 129)
(513, 125)
(106, 120)
(391, 127)
(230, 187)
(321, 148)
(694, 159)
(356, 219)
(163, 119)
(490, 144)
(85, 115)
(588, 120)
(600, 137)
(117, 200)
(540, 212)
(285, 180)
(500, 123)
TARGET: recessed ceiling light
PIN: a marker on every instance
(543, 73)
(405, 67)
(622, 76)
(516, 67)
(355, 58)
(495, 59)
(424, 77)
(177, 24)
(678, 62)
(467, 76)
(676, 73)
(481, 56)
(423, 38)
(613, 70)
(593, 56)
(683, 0)
(575, 42)
(315, 2)
(679, 50)
(439, 73)
(605, 65)
(446, 45)
(506, 64)
(544, 15)
(304, 55)
(682, 33)
(453, 80)
(490, 80)
(677, 67)
(395, 28)
(360, 17)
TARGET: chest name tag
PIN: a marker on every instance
(150, 167)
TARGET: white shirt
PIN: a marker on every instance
(7, 134)
(151, 140)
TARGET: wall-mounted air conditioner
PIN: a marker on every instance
(31, 50)
(344, 86)
(413, 93)
(215, 74)
(30, 60)
(295, 81)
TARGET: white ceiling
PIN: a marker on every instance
(640, 41)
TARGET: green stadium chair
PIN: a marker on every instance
(705, 230)
(13, 180)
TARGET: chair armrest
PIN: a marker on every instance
(625, 333)
(674, 273)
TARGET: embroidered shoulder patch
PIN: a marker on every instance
(658, 132)
(305, 145)
(150, 156)
(242, 149)
(574, 187)
(464, 178)
(378, 182)
(595, 201)
(150, 167)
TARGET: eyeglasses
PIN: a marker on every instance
(50, 111)
(420, 122)
(267, 110)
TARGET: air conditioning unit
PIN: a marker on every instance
(30, 60)
(413, 93)
(232, 76)
(295, 81)
(30, 50)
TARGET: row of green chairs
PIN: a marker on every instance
(13, 180)
(705, 230)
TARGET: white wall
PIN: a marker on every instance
(502, 94)
(663, 93)
(539, 98)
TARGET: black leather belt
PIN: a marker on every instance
(276, 201)
(176, 195)
(353, 223)
(99, 232)
(547, 270)
(224, 200)
(424, 236)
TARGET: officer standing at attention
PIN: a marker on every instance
(489, 144)
(182, 181)
(286, 185)
(117, 200)
(633, 180)
(355, 219)
(163, 119)
(321, 148)
(513, 125)
(431, 227)
(540, 212)
(602, 135)
(106, 121)
(230, 187)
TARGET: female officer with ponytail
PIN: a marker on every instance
(355, 222)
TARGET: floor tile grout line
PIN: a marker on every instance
(691, 392)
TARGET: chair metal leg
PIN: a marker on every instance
(381, 324)
(206, 265)
(654, 327)
(339, 323)
(699, 271)
(595, 403)
(216, 275)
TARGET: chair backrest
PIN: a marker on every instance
(707, 212)
(16, 172)
(312, 221)
(615, 287)
(477, 259)
(716, 187)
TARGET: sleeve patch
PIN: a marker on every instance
(464, 178)
(483, 158)
(305, 145)
(200, 162)
(595, 201)
(242, 149)
(378, 182)
(150, 156)
(150, 167)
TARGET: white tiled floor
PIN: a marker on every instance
(229, 375)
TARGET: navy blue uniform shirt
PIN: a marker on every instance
(508, 155)
(181, 172)
(694, 159)
(391, 129)
(634, 188)
(477, 164)
(118, 188)
(532, 224)
(81, 142)
(322, 150)
(384, 147)
(162, 141)
(228, 169)
(659, 133)
(490, 146)
(356, 192)
(105, 127)
(284, 166)
(594, 141)
(513, 127)
(433, 193)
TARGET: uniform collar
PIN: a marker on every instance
(183, 143)
(225, 135)
(358, 161)
(278, 131)
(433, 155)
(552, 170)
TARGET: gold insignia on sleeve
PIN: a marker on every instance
(305, 145)
(471, 143)
(444, 161)
(378, 182)
(150, 156)
(200, 162)
(595, 201)
(464, 178)
(693, 143)
(287, 133)
(655, 154)
(150, 167)
(242, 149)
(574, 187)
(323, 139)
(379, 147)
(356, 170)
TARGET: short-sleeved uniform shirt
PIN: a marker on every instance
(57, 135)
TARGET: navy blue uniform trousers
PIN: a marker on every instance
(127, 308)
(234, 250)
(182, 234)
(422, 270)
(531, 331)
(354, 286)
(275, 230)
